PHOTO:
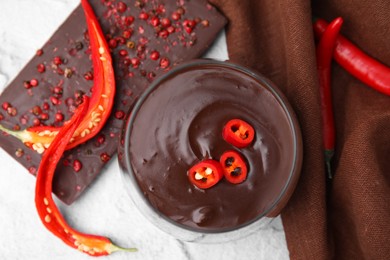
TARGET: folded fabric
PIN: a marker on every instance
(348, 217)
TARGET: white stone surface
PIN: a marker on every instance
(105, 208)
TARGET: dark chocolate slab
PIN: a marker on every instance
(70, 43)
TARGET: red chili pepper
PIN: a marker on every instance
(100, 106)
(238, 133)
(325, 50)
(359, 64)
(234, 166)
(205, 174)
(48, 212)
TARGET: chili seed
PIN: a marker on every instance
(16, 127)
(47, 218)
(229, 161)
(77, 165)
(236, 171)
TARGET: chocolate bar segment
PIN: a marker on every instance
(147, 38)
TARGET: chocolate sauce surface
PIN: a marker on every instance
(180, 123)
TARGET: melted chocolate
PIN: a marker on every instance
(180, 123)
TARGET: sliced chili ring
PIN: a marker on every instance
(234, 167)
(205, 174)
(238, 133)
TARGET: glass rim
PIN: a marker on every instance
(286, 191)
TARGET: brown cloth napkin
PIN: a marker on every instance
(348, 218)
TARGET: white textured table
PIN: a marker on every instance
(105, 208)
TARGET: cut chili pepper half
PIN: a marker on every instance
(205, 174)
(238, 133)
(234, 167)
(101, 102)
(48, 212)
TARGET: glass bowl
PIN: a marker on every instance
(178, 121)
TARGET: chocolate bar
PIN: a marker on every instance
(147, 39)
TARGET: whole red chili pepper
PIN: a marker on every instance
(325, 50)
(100, 106)
(205, 174)
(48, 212)
(234, 166)
(238, 133)
(359, 64)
